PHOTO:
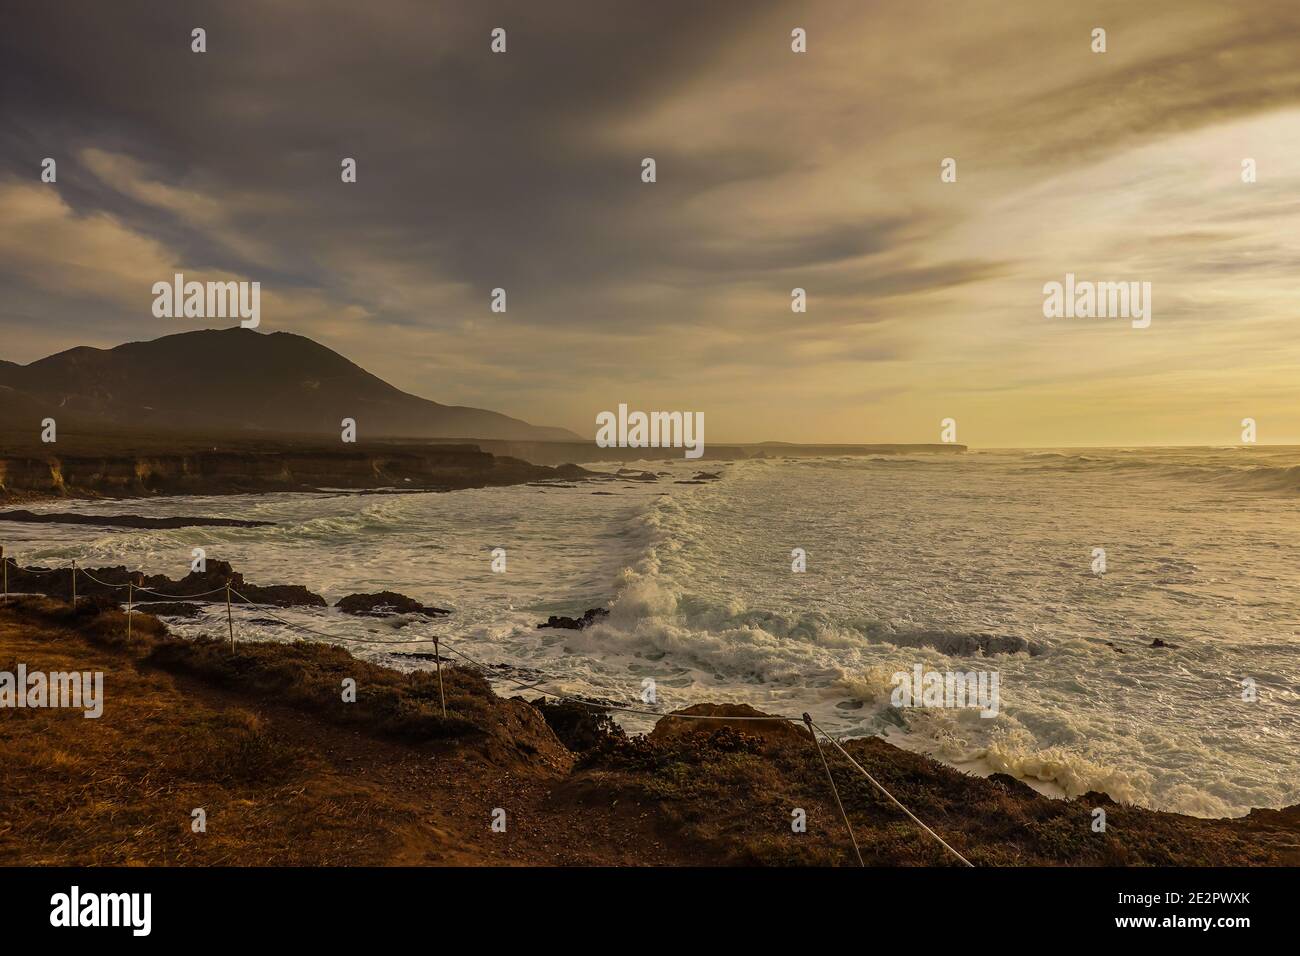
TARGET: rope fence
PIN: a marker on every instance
(487, 671)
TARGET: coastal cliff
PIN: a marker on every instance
(259, 736)
(128, 473)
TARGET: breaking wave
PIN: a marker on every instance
(1262, 478)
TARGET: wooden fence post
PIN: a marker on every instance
(437, 660)
(230, 621)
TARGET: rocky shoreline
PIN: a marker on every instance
(109, 584)
(240, 470)
(99, 463)
(260, 734)
(104, 587)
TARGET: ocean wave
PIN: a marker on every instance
(1212, 467)
(657, 615)
(669, 619)
(1263, 478)
(1017, 754)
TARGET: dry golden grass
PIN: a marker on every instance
(120, 790)
(733, 791)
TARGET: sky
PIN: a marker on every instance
(775, 170)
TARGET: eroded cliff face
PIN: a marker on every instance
(441, 467)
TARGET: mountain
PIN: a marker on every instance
(237, 380)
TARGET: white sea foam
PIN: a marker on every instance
(911, 559)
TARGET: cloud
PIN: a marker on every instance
(90, 256)
(776, 170)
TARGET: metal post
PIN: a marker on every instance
(230, 621)
(437, 660)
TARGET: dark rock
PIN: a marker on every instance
(384, 603)
(576, 623)
(710, 718)
(195, 584)
(1159, 643)
(966, 645)
(580, 727)
(281, 595)
(129, 521)
(209, 584)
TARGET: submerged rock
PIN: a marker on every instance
(576, 623)
(967, 645)
(384, 603)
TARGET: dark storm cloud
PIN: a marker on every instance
(493, 166)
(475, 170)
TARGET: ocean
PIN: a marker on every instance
(978, 562)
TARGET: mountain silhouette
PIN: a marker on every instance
(235, 380)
